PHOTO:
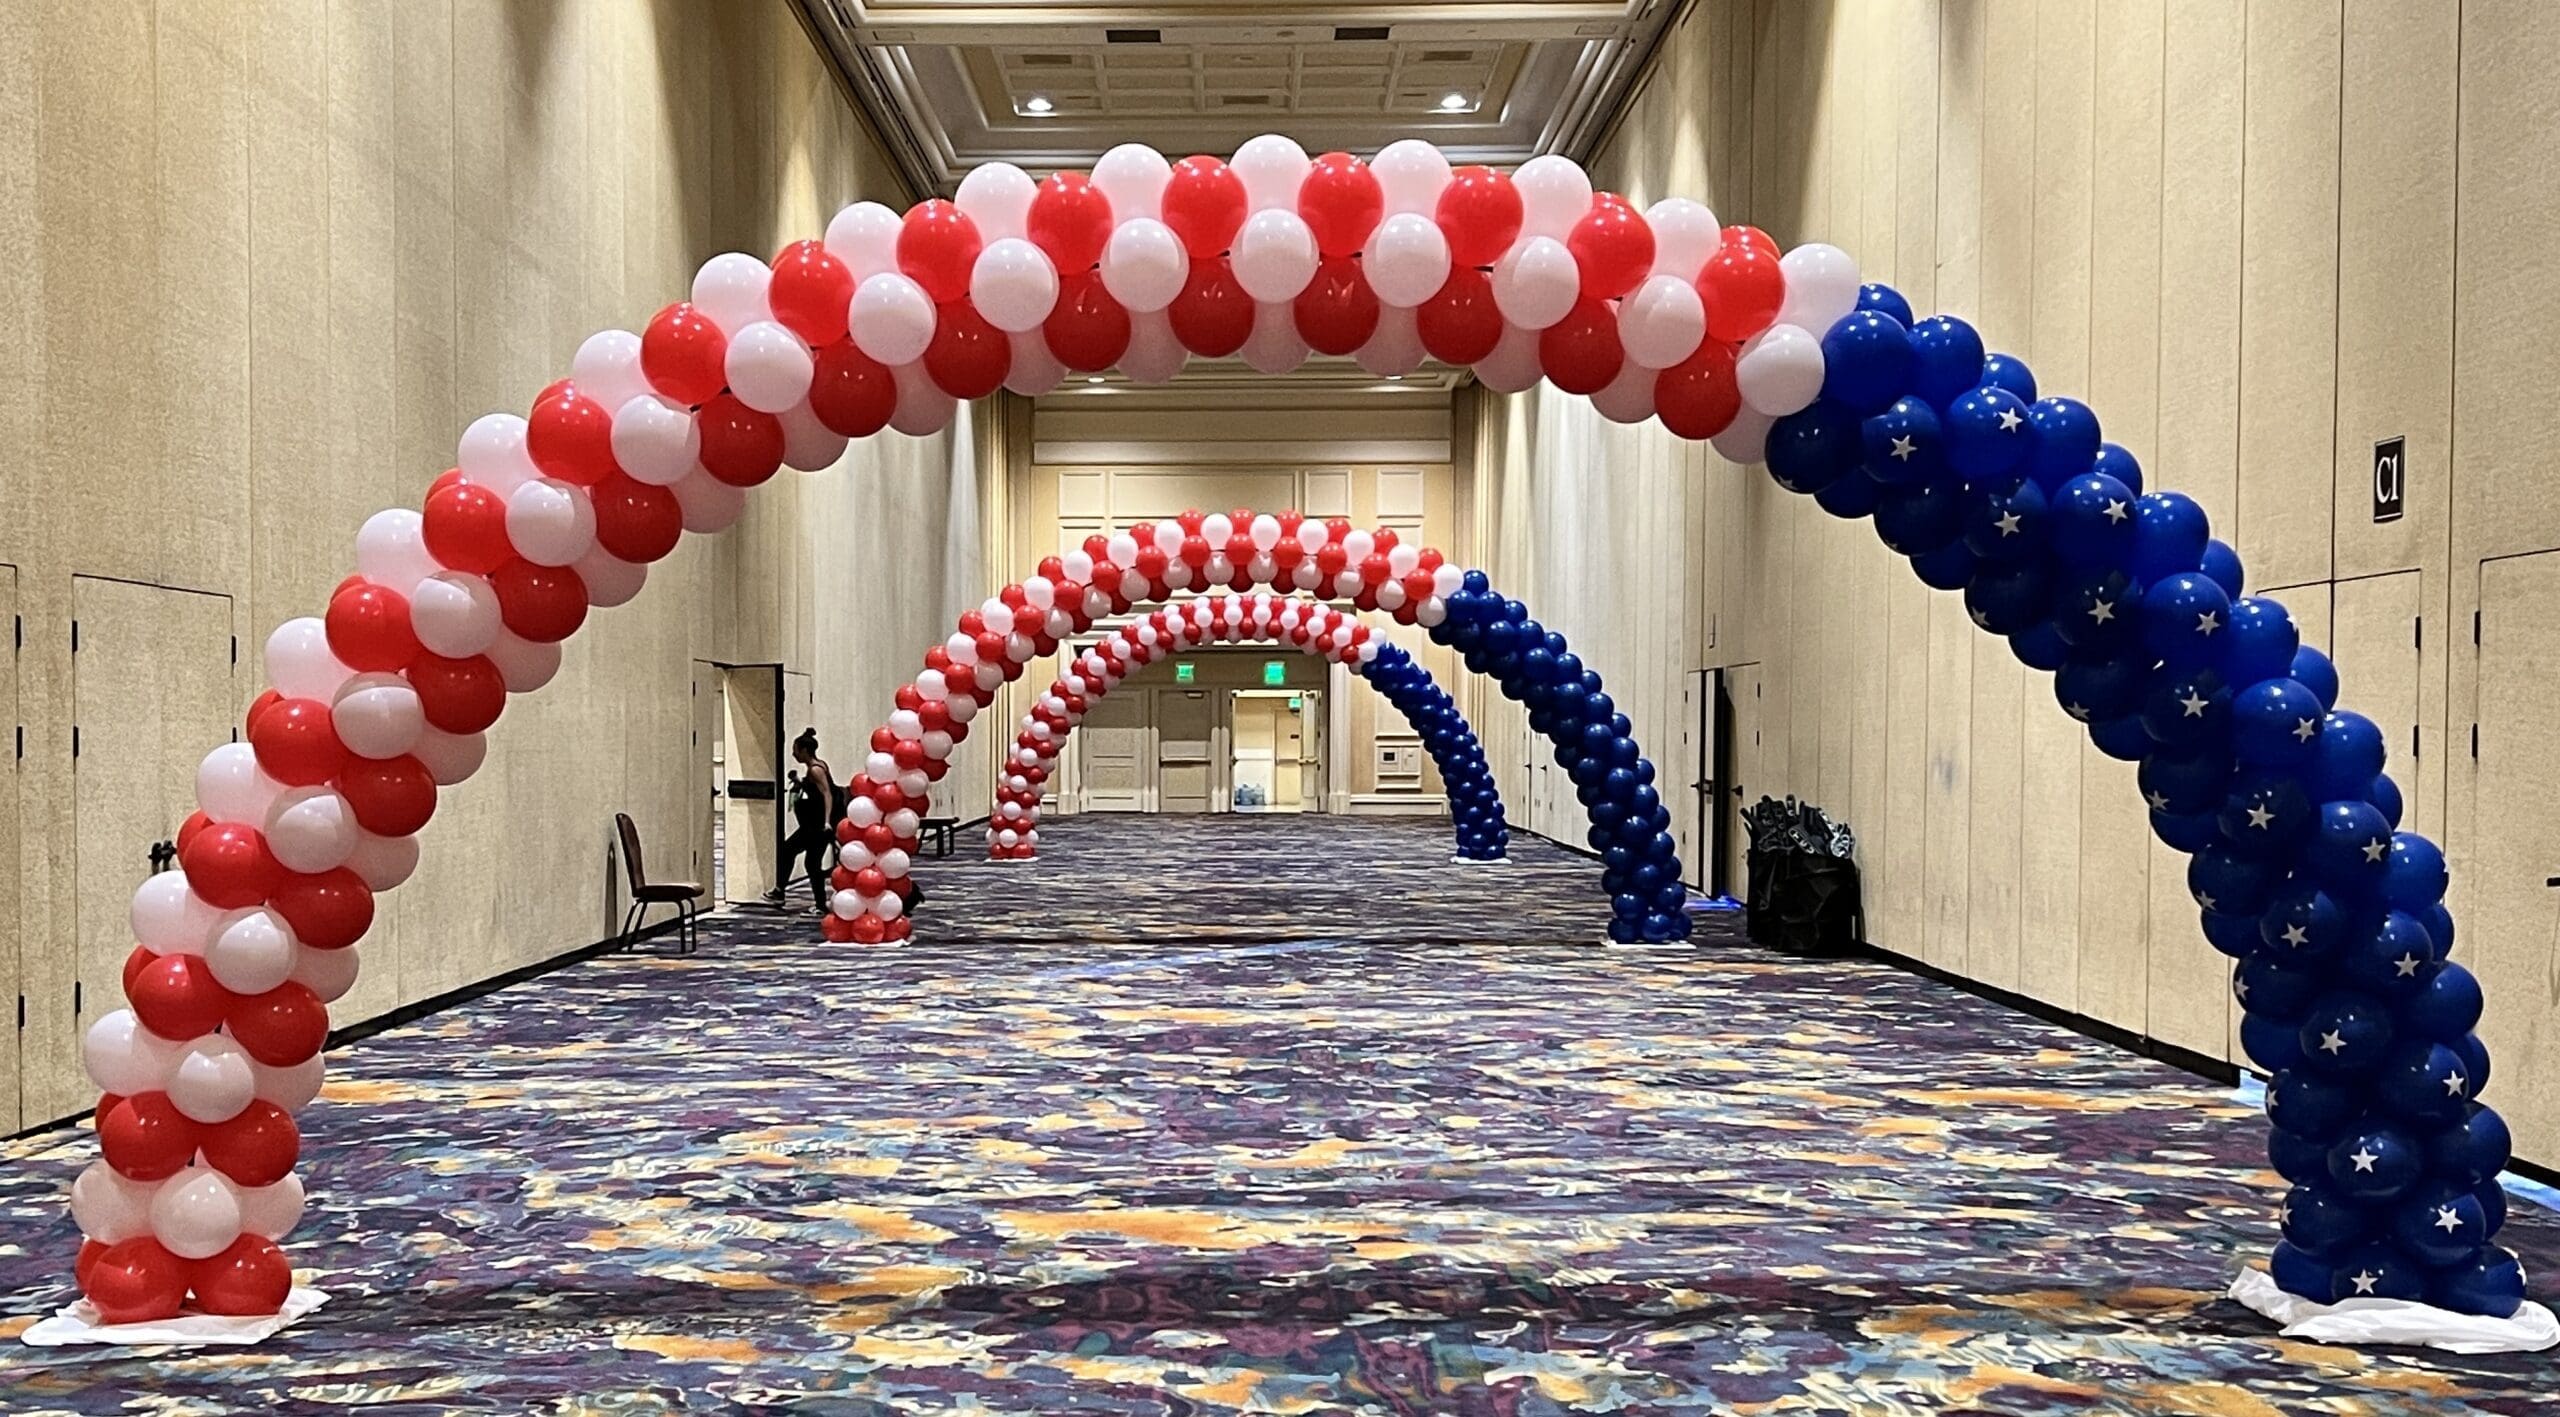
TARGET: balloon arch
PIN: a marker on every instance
(2335, 919)
(1475, 803)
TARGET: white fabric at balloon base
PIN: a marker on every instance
(78, 1323)
(2370, 1321)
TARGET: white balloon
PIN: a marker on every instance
(768, 366)
(1155, 352)
(377, 715)
(1407, 260)
(450, 758)
(383, 862)
(299, 664)
(923, 409)
(272, 1210)
(708, 504)
(1035, 369)
(550, 523)
(1685, 234)
(1133, 176)
(1779, 370)
(1628, 398)
(732, 289)
(610, 580)
(169, 918)
(865, 237)
(654, 441)
(124, 1058)
(1013, 284)
(1275, 346)
(109, 1207)
(1661, 322)
(1395, 348)
(454, 613)
(1746, 439)
(1412, 174)
(888, 907)
(1822, 286)
(231, 787)
(1554, 194)
(1514, 364)
(492, 453)
(607, 368)
(997, 197)
(211, 1081)
(195, 1215)
(1536, 282)
(391, 548)
(807, 442)
(1275, 255)
(525, 665)
(290, 1087)
(310, 830)
(327, 973)
(1273, 168)
(1144, 265)
(253, 953)
(893, 318)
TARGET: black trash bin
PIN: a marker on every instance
(1804, 896)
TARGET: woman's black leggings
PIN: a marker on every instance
(807, 843)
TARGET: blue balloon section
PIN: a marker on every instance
(2335, 918)
(1475, 805)
(1594, 744)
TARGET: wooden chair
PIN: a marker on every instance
(685, 896)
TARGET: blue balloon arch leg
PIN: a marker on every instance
(2335, 918)
(1475, 804)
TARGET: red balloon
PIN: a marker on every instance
(390, 796)
(968, 357)
(458, 695)
(1753, 237)
(444, 479)
(266, 700)
(545, 604)
(1191, 520)
(145, 1138)
(1697, 397)
(327, 910)
(635, 521)
(835, 929)
(466, 527)
(1213, 316)
(369, 629)
(281, 1027)
(134, 963)
(1480, 212)
(741, 446)
(1461, 324)
(811, 292)
(196, 821)
(684, 355)
(255, 1148)
(136, 1281)
(1341, 202)
(1331, 558)
(297, 744)
(1088, 330)
(938, 247)
(1151, 561)
(1373, 570)
(1070, 219)
(1580, 352)
(176, 996)
(1239, 547)
(228, 866)
(1614, 246)
(1195, 551)
(851, 392)
(869, 929)
(1337, 312)
(570, 436)
(1742, 287)
(90, 1250)
(990, 648)
(251, 1277)
(1418, 587)
(1204, 204)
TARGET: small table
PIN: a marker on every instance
(937, 831)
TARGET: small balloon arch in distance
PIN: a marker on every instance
(1013, 827)
(1990, 489)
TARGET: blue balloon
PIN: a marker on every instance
(1950, 567)
(2270, 1045)
(2492, 1284)
(2320, 1221)
(2474, 1149)
(1946, 358)
(2262, 644)
(1918, 517)
(2302, 922)
(2233, 935)
(2351, 848)
(2093, 688)
(2183, 619)
(2186, 710)
(2413, 872)
(2093, 521)
(2345, 758)
(2184, 782)
(1811, 447)
(2038, 646)
(2099, 610)
(2191, 832)
(1987, 434)
(2122, 739)
(2223, 564)
(1475, 582)
(1851, 496)
(2266, 816)
(1876, 295)
(2313, 668)
(2275, 723)
(2222, 879)
(1623, 929)
(2119, 464)
(2310, 1106)
(1905, 443)
(2169, 535)
(2345, 1034)
(2446, 1007)
(2301, 1162)
(2265, 984)
(2008, 524)
(2422, 1082)
(2492, 1198)
(2066, 440)
(2008, 371)
(2376, 1271)
(1866, 360)
(2010, 598)
(2298, 1272)
(2374, 1162)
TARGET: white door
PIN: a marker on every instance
(1114, 766)
(1186, 749)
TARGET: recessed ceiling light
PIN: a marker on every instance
(1093, 378)
(1395, 378)
(1451, 103)
(1039, 103)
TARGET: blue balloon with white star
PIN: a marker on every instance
(2008, 598)
(2320, 1220)
(2183, 618)
(1876, 295)
(1852, 495)
(2267, 815)
(2066, 440)
(2188, 709)
(2184, 782)
(2008, 524)
(2491, 1284)
(2115, 461)
(2122, 739)
(2302, 922)
(2222, 879)
(2313, 668)
(2262, 643)
(2413, 872)
(1866, 361)
(2223, 565)
(2274, 724)
(2446, 1007)
(2189, 832)
(2348, 852)
(1905, 443)
(2345, 1033)
(2094, 687)
(1919, 517)
(2388, 955)
(2099, 610)
(1950, 567)
(2008, 371)
(1946, 359)
(2266, 984)
(1987, 434)
(2375, 1162)
(2093, 521)
(2423, 1082)
(2473, 1149)
(2376, 1271)
(2169, 535)
(2039, 646)
(2345, 758)
(2311, 1106)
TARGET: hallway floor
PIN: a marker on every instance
(1254, 1114)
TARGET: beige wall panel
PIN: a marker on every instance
(2003, 307)
(2200, 256)
(2375, 644)
(2512, 915)
(2050, 744)
(1897, 856)
(1946, 816)
(1995, 879)
(2063, 77)
(19, 942)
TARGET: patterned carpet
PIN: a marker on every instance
(1254, 1115)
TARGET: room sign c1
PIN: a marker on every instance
(2390, 479)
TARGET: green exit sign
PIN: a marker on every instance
(1275, 672)
(1184, 671)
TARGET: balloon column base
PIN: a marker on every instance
(2365, 1322)
(77, 1322)
(1479, 860)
